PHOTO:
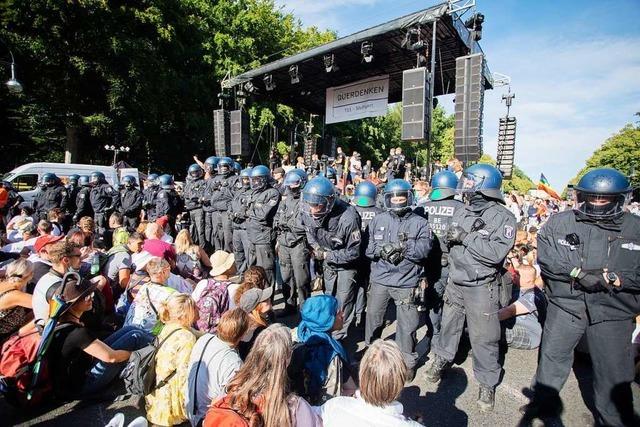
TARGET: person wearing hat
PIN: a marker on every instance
(317, 366)
(278, 180)
(81, 364)
(257, 304)
(213, 292)
(40, 259)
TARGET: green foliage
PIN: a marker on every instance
(282, 148)
(621, 151)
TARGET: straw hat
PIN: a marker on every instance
(221, 261)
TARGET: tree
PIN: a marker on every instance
(621, 151)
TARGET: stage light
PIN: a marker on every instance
(295, 76)
(366, 49)
(330, 63)
(268, 82)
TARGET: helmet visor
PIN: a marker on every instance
(317, 206)
(398, 199)
(600, 206)
(258, 182)
(469, 183)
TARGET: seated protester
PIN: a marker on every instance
(13, 227)
(165, 405)
(319, 366)
(259, 394)
(56, 218)
(118, 266)
(211, 294)
(40, 260)
(522, 319)
(253, 277)
(157, 247)
(214, 361)
(145, 309)
(28, 237)
(257, 304)
(81, 365)
(192, 261)
(163, 222)
(382, 376)
(64, 257)
(118, 234)
(15, 304)
(138, 277)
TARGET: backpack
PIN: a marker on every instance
(213, 301)
(189, 268)
(139, 375)
(17, 359)
(220, 413)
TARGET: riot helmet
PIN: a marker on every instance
(260, 176)
(49, 179)
(84, 181)
(225, 165)
(330, 174)
(129, 181)
(211, 165)
(365, 194)
(602, 194)
(318, 197)
(245, 177)
(398, 196)
(195, 171)
(294, 181)
(237, 168)
(73, 179)
(443, 185)
(97, 178)
(152, 180)
(165, 181)
(481, 178)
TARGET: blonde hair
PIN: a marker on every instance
(183, 242)
(18, 270)
(382, 373)
(86, 224)
(263, 376)
(156, 265)
(232, 325)
(179, 308)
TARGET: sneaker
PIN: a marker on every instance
(434, 372)
(486, 398)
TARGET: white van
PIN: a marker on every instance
(25, 178)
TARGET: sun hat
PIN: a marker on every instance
(221, 261)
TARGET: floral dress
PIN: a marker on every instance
(165, 406)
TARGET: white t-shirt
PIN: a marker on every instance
(18, 246)
(39, 301)
(355, 412)
(218, 365)
(141, 312)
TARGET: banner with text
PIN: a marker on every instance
(364, 98)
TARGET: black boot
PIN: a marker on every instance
(486, 398)
(434, 372)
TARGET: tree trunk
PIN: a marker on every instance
(71, 148)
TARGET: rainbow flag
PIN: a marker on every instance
(544, 186)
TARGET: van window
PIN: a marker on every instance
(26, 182)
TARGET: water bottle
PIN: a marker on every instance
(95, 265)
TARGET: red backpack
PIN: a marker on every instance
(213, 302)
(220, 413)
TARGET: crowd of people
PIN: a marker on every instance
(110, 275)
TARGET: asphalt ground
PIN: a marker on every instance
(452, 402)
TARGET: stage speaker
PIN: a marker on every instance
(221, 135)
(415, 104)
(469, 102)
(240, 133)
(310, 146)
(506, 146)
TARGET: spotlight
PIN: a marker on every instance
(366, 49)
(295, 76)
(330, 63)
(269, 85)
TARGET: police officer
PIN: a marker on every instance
(238, 216)
(149, 195)
(54, 196)
(130, 203)
(292, 244)
(439, 211)
(263, 204)
(14, 199)
(193, 196)
(83, 199)
(590, 262)
(364, 199)
(399, 242)
(480, 237)
(104, 200)
(168, 202)
(220, 200)
(72, 190)
(333, 233)
(211, 217)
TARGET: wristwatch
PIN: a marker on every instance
(612, 277)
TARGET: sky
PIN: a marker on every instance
(574, 67)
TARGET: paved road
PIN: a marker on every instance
(450, 403)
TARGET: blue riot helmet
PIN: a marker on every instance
(602, 193)
(84, 181)
(237, 167)
(73, 179)
(49, 179)
(303, 175)
(225, 165)
(166, 181)
(481, 178)
(211, 164)
(398, 195)
(195, 171)
(97, 178)
(152, 180)
(294, 182)
(260, 176)
(443, 185)
(365, 194)
(318, 197)
(129, 181)
(245, 176)
(331, 175)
